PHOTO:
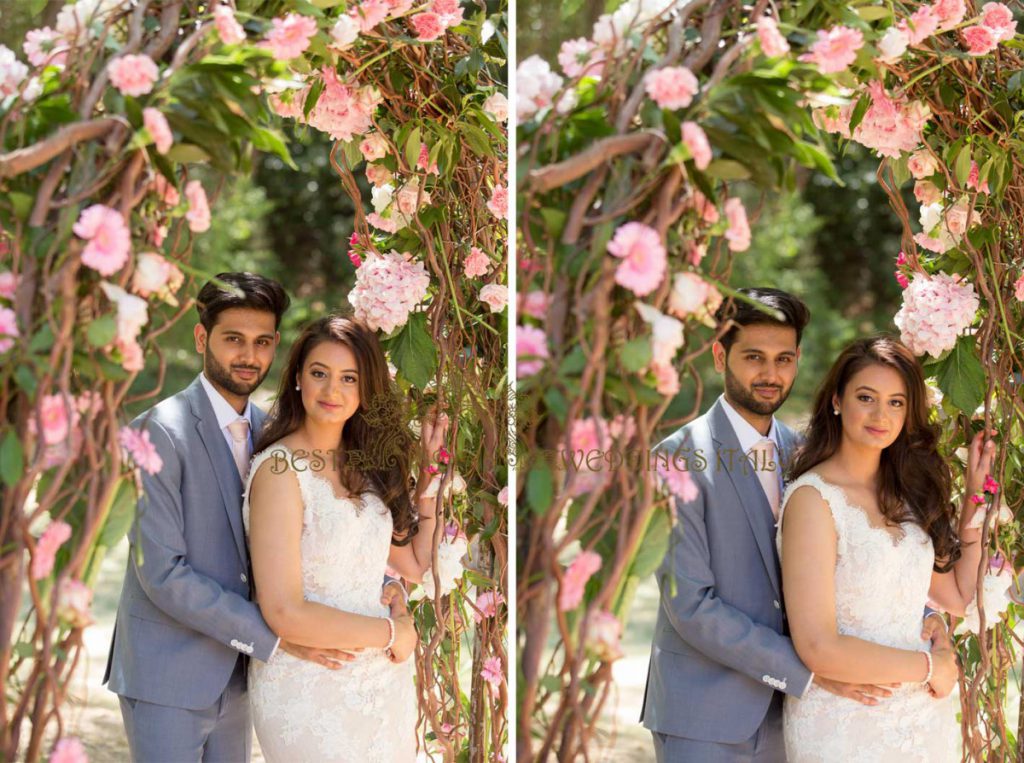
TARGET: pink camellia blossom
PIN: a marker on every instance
(487, 605)
(574, 581)
(604, 632)
(159, 130)
(374, 146)
(198, 214)
(424, 163)
(68, 750)
(1018, 291)
(152, 273)
(921, 25)
(370, 13)
(73, 601)
(666, 333)
(677, 480)
(738, 234)
(922, 164)
(8, 285)
(936, 310)
(644, 260)
(998, 18)
(503, 496)
(45, 47)
(228, 28)
(666, 379)
(495, 296)
(498, 204)
(477, 263)
(531, 342)
(388, 288)
(949, 13)
(428, 26)
(290, 36)
(8, 329)
(672, 87)
(54, 536)
(133, 74)
(891, 127)
(697, 142)
(12, 72)
(773, 44)
(980, 40)
(141, 449)
(492, 672)
(343, 111)
(534, 304)
(109, 239)
(581, 57)
(378, 174)
(835, 49)
(55, 418)
(692, 295)
(973, 180)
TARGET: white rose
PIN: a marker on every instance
(344, 32)
(449, 566)
(381, 197)
(893, 45)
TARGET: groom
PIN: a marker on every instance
(186, 625)
(721, 660)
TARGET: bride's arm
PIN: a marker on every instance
(275, 531)
(808, 580)
(412, 560)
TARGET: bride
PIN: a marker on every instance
(867, 536)
(323, 525)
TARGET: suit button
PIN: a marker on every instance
(776, 603)
(246, 580)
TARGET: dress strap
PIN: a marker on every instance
(833, 496)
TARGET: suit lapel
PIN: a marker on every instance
(228, 480)
(741, 473)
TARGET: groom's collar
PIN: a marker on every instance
(222, 408)
(745, 433)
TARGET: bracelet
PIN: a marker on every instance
(928, 677)
(391, 640)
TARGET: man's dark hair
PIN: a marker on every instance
(250, 290)
(794, 313)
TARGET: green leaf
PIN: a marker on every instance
(187, 153)
(539, 487)
(412, 148)
(476, 139)
(42, 340)
(26, 379)
(102, 331)
(12, 461)
(636, 354)
(961, 377)
(727, 169)
(653, 547)
(859, 111)
(122, 512)
(963, 165)
(413, 351)
(22, 204)
(313, 97)
(272, 142)
(873, 12)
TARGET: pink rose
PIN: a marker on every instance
(477, 263)
(773, 44)
(428, 26)
(152, 272)
(531, 343)
(290, 36)
(980, 40)
(487, 605)
(922, 164)
(56, 422)
(835, 49)
(604, 632)
(53, 537)
(494, 296)
(133, 75)
(574, 581)
(141, 449)
(109, 239)
(672, 87)
(378, 174)
(644, 260)
(534, 304)
(1018, 288)
(496, 106)
(697, 142)
(230, 31)
(8, 329)
(198, 214)
(374, 147)
(370, 13)
(498, 204)
(45, 47)
(927, 192)
(999, 19)
(738, 234)
(949, 13)
(159, 130)
(666, 379)
(921, 25)
(68, 750)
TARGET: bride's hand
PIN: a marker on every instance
(866, 694)
(945, 672)
(981, 455)
(329, 658)
(432, 433)
(405, 638)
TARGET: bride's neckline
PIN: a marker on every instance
(896, 536)
(350, 497)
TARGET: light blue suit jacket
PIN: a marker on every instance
(720, 647)
(185, 612)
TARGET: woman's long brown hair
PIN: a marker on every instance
(376, 446)
(915, 483)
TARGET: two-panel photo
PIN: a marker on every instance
(476, 381)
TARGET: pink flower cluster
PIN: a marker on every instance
(534, 304)
(228, 28)
(68, 750)
(432, 24)
(901, 277)
(108, 236)
(477, 263)
(890, 126)
(487, 605)
(8, 329)
(133, 74)
(644, 260)
(773, 44)
(198, 214)
(738, 233)
(156, 124)
(604, 633)
(155, 274)
(581, 58)
(388, 288)
(697, 142)
(672, 87)
(290, 36)
(936, 310)
(835, 49)
(492, 673)
(589, 439)
(495, 296)
(574, 581)
(45, 47)
(142, 450)
(678, 481)
(692, 295)
(997, 25)
(54, 536)
(73, 601)
(531, 342)
(343, 111)
(536, 87)
(12, 72)
(498, 203)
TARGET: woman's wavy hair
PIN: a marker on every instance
(915, 483)
(376, 446)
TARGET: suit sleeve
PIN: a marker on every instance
(160, 559)
(710, 625)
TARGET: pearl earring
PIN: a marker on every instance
(835, 411)
(297, 388)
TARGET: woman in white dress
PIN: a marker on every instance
(868, 536)
(327, 510)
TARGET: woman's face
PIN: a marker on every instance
(873, 407)
(329, 383)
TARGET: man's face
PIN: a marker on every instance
(238, 352)
(760, 367)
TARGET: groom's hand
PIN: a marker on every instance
(866, 694)
(393, 596)
(934, 630)
(329, 658)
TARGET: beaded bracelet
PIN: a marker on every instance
(391, 637)
(928, 677)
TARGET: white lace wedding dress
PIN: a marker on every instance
(366, 711)
(881, 586)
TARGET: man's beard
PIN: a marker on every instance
(744, 398)
(221, 375)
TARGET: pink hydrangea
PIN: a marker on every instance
(644, 260)
(228, 28)
(574, 581)
(428, 26)
(773, 44)
(936, 310)
(343, 111)
(495, 296)
(534, 304)
(133, 74)
(1018, 289)
(738, 233)
(12, 72)
(290, 36)
(677, 480)
(142, 450)
(921, 25)
(370, 13)
(672, 87)
(891, 127)
(692, 295)
(477, 263)
(530, 342)
(159, 130)
(498, 204)
(45, 47)
(974, 181)
(487, 605)
(604, 633)
(697, 142)
(949, 13)
(69, 750)
(666, 379)
(835, 49)
(54, 536)
(388, 288)
(998, 18)
(922, 164)
(198, 214)
(73, 601)
(8, 329)
(980, 40)
(581, 57)
(492, 672)
(109, 239)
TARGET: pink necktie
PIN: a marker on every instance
(767, 469)
(240, 445)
